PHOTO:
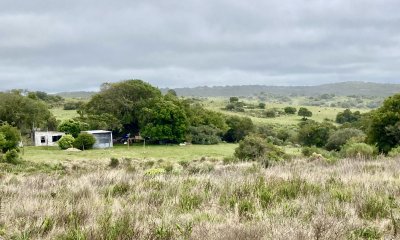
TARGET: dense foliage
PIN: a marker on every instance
(66, 141)
(9, 138)
(304, 112)
(238, 128)
(84, 141)
(163, 121)
(314, 134)
(348, 116)
(341, 136)
(384, 129)
(25, 113)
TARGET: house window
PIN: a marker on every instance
(43, 139)
(56, 138)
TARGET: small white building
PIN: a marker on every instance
(103, 138)
(48, 138)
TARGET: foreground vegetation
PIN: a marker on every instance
(203, 199)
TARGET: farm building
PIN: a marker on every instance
(46, 138)
(103, 138)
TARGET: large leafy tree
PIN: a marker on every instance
(238, 128)
(24, 112)
(164, 121)
(304, 112)
(312, 133)
(9, 137)
(384, 129)
(123, 100)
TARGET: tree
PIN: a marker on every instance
(290, 110)
(233, 99)
(84, 141)
(348, 116)
(384, 128)
(304, 112)
(261, 105)
(341, 136)
(66, 141)
(253, 148)
(124, 101)
(25, 113)
(205, 134)
(163, 121)
(11, 137)
(72, 127)
(238, 128)
(312, 133)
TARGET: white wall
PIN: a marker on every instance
(48, 138)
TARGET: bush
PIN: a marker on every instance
(84, 141)
(359, 150)
(255, 148)
(384, 127)
(270, 113)
(66, 141)
(395, 152)
(340, 137)
(304, 112)
(11, 156)
(114, 162)
(205, 134)
(314, 134)
(72, 127)
(290, 110)
(10, 138)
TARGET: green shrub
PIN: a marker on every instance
(395, 152)
(205, 134)
(359, 150)
(120, 189)
(114, 162)
(366, 233)
(246, 209)
(154, 171)
(290, 110)
(10, 137)
(66, 141)
(190, 201)
(340, 138)
(84, 141)
(374, 207)
(255, 148)
(11, 156)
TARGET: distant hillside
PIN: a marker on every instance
(340, 89)
(80, 94)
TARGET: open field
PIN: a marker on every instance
(137, 151)
(204, 199)
(319, 113)
(62, 114)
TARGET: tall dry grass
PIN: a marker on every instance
(351, 199)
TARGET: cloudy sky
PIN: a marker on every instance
(69, 45)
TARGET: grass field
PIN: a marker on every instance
(319, 113)
(204, 199)
(62, 114)
(154, 152)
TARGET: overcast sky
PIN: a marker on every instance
(68, 45)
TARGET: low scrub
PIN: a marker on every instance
(359, 151)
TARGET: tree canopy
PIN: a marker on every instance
(384, 129)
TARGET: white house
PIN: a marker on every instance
(103, 138)
(47, 138)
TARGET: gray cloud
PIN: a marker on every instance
(78, 44)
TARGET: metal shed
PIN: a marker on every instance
(103, 138)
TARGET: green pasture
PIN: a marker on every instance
(319, 113)
(62, 114)
(154, 152)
